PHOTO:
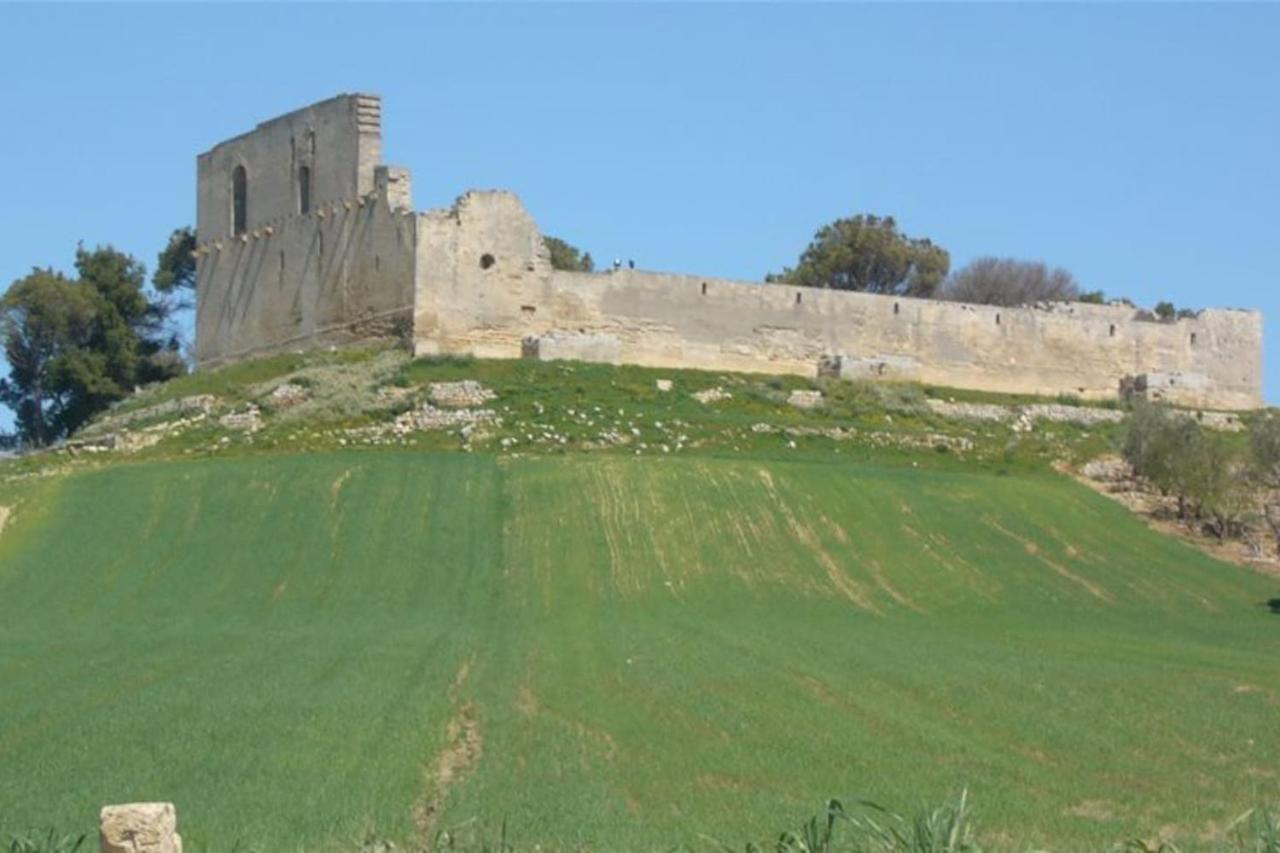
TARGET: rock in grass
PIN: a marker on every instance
(805, 399)
(711, 395)
(139, 828)
(459, 395)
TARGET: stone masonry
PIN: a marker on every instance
(306, 239)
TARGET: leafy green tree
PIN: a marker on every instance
(869, 253)
(43, 318)
(1162, 448)
(1217, 484)
(76, 346)
(1202, 469)
(176, 265)
(566, 256)
(1093, 297)
(1165, 311)
(1008, 281)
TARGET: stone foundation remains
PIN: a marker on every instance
(305, 239)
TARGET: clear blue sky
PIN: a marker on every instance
(1136, 145)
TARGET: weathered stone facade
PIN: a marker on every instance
(477, 279)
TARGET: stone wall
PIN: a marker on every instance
(477, 279)
(338, 140)
(342, 273)
(485, 286)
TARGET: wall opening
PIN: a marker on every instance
(239, 200)
(797, 298)
(304, 189)
(377, 263)
(280, 273)
(1193, 338)
(486, 261)
(1113, 330)
(895, 308)
(997, 319)
(528, 309)
(704, 288)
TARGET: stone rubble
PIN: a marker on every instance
(1023, 417)
(1107, 469)
(805, 399)
(202, 404)
(250, 420)
(465, 394)
(711, 395)
(286, 396)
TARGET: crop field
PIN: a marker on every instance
(305, 651)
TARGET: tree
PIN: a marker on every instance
(870, 254)
(1203, 470)
(77, 345)
(565, 256)
(1008, 281)
(43, 318)
(1162, 448)
(1217, 484)
(176, 264)
(1264, 446)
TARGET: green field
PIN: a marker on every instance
(614, 651)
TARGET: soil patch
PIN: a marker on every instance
(464, 745)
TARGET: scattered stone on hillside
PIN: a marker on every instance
(391, 395)
(128, 441)
(465, 394)
(1225, 421)
(805, 399)
(1083, 415)
(763, 428)
(429, 417)
(200, 404)
(969, 411)
(1024, 417)
(879, 438)
(711, 395)
(664, 384)
(287, 395)
(1107, 469)
(139, 828)
(468, 422)
(250, 420)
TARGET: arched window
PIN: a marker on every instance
(239, 201)
(304, 189)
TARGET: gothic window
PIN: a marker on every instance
(239, 201)
(304, 189)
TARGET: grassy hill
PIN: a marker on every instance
(304, 646)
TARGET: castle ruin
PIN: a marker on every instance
(306, 238)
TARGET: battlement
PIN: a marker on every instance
(304, 236)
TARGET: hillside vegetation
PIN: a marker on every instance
(305, 645)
